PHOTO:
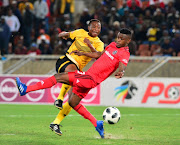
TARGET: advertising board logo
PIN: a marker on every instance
(34, 96)
(171, 92)
(8, 89)
(126, 90)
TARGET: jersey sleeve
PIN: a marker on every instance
(124, 58)
(100, 46)
(74, 33)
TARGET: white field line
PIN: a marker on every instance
(38, 116)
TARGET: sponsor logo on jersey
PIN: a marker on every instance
(77, 81)
(108, 54)
(114, 52)
(125, 61)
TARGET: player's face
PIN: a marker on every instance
(94, 29)
(122, 40)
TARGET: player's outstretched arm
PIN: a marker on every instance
(121, 70)
(64, 35)
(96, 54)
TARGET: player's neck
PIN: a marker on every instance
(91, 35)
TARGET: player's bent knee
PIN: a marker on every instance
(62, 78)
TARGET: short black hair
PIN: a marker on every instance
(93, 20)
(126, 31)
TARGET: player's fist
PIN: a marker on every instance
(119, 75)
(86, 40)
(63, 35)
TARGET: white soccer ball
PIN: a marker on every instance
(111, 115)
(173, 93)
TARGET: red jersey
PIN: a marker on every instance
(109, 62)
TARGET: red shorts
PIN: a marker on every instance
(82, 83)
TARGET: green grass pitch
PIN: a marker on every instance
(29, 125)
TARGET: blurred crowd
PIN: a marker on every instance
(32, 26)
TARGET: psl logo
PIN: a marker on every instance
(126, 90)
(171, 92)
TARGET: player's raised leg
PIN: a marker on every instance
(47, 83)
(74, 103)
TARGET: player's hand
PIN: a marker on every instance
(87, 41)
(61, 35)
(76, 52)
(119, 75)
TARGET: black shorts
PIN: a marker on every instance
(62, 63)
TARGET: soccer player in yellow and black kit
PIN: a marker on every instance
(83, 41)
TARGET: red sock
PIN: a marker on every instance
(47, 83)
(85, 113)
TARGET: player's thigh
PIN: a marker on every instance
(70, 92)
(62, 78)
(71, 68)
(74, 100)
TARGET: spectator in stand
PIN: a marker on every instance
(67, 7)
(152, 33)
(158, 17)
(34, 50)
(40, 12)
(20, 49)
(140, 35)
(126, 15)
(134, 8)
(121, 9)
(176, 42)
(45, 48)
(43, 37)
(167, 47)
(112, 16)
(131, 21)
(164, 36)
(1, 3)
(177, 4)
(147, 18)
(173, 18)
(22, 6)
(67, 26)
(84, 18)
(137, 3)
(17, 13)
(169, 8)
(173, 30)
(47, 16)
(28, 25)
(4, 37)
(14, 24)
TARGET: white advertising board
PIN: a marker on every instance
(141, 92)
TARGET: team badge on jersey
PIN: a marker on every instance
(114, 52)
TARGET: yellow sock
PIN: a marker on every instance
(63, 113)
(64, 89)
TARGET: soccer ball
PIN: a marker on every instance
(173, 93)
(111, 115)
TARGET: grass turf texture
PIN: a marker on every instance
(29, 125)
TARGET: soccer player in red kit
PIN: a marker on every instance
(116, 55)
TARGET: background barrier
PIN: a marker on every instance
(128, 91)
